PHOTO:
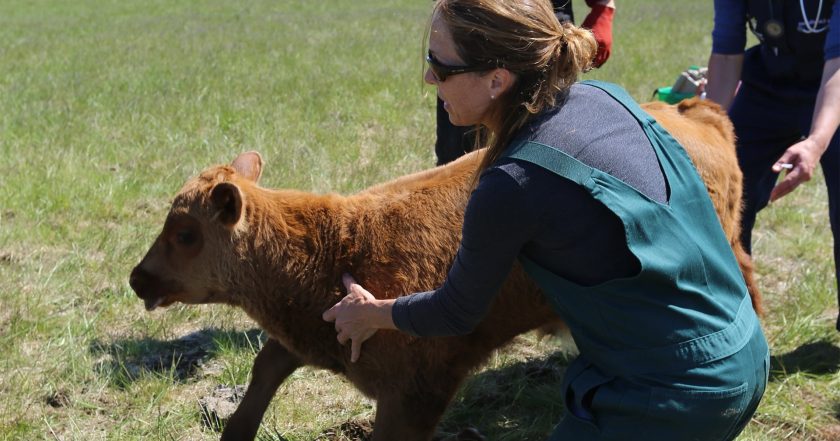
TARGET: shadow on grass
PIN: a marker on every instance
(818, 357)
(519, 402)
(522, 401)
(127, 360)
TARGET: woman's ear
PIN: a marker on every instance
(500, 81)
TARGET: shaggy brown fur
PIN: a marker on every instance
(279, 255)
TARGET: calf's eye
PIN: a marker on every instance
(185, 237)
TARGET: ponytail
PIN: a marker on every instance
(549, 59)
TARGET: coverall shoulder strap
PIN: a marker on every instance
(551, 159)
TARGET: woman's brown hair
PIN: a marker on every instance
(524, 37)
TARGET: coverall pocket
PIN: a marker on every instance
(580, 385)
(695, 414)
(580, 393)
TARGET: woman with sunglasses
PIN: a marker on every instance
(451, 141)
(606, 212)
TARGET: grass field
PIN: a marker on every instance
(107, 107)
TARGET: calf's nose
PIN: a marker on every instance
(139, 280)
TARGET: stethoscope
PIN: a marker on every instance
(808, 28)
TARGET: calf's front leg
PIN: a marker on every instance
(271, 366)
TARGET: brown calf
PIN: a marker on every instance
(279, 255)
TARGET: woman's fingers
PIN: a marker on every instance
(356, 349)
(356, 336)
(351, 322)
(342, 337)
(329, 315)
(349, 282)
(352, 288)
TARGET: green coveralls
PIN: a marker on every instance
(675, 352)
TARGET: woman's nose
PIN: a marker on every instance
(429, 77)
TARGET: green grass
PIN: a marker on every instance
(107, 107)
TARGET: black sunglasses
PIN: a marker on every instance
(442, 71)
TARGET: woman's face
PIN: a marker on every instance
(466, 96)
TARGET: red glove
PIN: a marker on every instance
(600, 21)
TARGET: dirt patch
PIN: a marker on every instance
(359, 430)
(9, 258)
(831, 432)
(778, 428)
(58, 399)
(219, 406)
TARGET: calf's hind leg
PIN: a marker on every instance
(271, 366)
(411, 416)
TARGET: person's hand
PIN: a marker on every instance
(354, 316)
(600, 20)
(799, 160)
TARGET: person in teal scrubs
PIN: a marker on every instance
(604, 209)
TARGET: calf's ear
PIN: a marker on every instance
(227, 201)
(248, 165)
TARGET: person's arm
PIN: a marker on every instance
(599, 20)
(723, 77)
(496, 223)
(606, 3)
(729, 37)
(805, 155)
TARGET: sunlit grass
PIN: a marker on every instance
(107, 107)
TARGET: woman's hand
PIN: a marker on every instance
(800, 160)
(600, 20)
(358, 316)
